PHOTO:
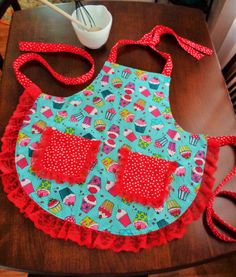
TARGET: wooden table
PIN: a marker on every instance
(199, 102)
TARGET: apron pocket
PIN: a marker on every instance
(64, 157)
(144, 179)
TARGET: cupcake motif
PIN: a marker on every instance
(158, 96)
(90, 110)
(46, 96)
(98, 101)
(197, 173)
(140, 125)
(183, 193)
(105, 210)
(154, 83)
(32, 148)
(108, 96)
(94, 184)
(70, 218)
(127, 116)
(111, 188)
(144, 91)
(125, 100)
(46, 111)
(89, 90)
(159, 210)
(110, 164)
(200, 154)
(89, 136)
(89, 223)
(21, 161)
(154, 111)
(129, 88)
(58, 102)
(173, 208)
(126, 73)
(23, 139)
(194, 139)
(88, 203)
(108, 146)
(44, 188)
(67, 196)
(86, 122)
(144, 142)
(159, 143)
(157, 124)
(173, 134)
(171, 148)
(54, 206)
(185, 151)
(69, 130)
(38, 127)
(139, 105)
(99, 125)
(114, 131)
(61, 116)
(33, 109)
(130, 135)
(105, 80)
(180, 171)
(123, 217)
(167, 113)
(108, 70)
(142, 75)
(27, 186)
(75, 103)
(77, 117)
(110, 113)
(141, 221)
(26, 121)
(162, 223)
(117, 82)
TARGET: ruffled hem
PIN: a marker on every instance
(155, 203)
(58, 228)
(45, 173)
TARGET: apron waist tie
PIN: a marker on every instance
(210, 212)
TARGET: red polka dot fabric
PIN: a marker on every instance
(152, 39)
(41, 47)
(64, 157)
(144, 179)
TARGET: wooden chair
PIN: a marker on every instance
(4, 4)
(204, 5)
(229, 72)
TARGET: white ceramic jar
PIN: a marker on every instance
(102, 18)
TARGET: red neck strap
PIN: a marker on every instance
(50, 47)
(152, 39)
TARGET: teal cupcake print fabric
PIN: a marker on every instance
(122, 107)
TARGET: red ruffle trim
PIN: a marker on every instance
(60, 177)
(128, 195)
(58, 228)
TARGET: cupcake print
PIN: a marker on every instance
(140, 125)
(58, 102)
(154, 83)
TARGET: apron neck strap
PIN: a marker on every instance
(152, 39)
(114, 52)
(50, 48)
(211, 216)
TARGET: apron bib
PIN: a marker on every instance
(109, 167)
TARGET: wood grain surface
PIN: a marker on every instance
(199, 102)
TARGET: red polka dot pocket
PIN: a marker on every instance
(144, 179)
(64, 157)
